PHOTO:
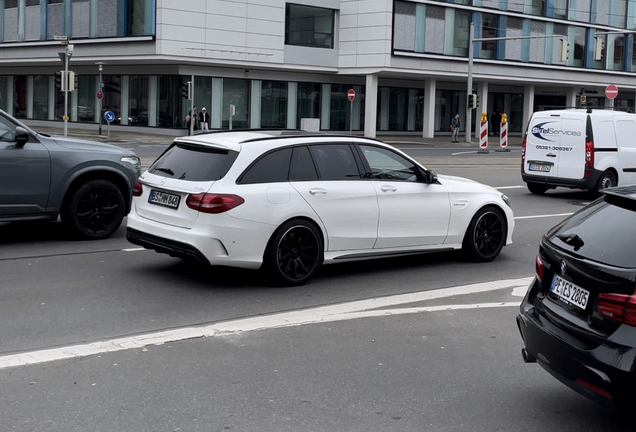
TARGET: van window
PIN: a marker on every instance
(604, 134)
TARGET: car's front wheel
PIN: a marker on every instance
(94, 210)
(486, 235)
(294, 253)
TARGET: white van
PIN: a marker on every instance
(578, 148)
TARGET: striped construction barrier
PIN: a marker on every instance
(503, 135)
(483, 131)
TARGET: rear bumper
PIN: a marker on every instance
(587, 182)
(602, 373)
(162, 245)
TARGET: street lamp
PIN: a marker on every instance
(100, 92)
(64, 83)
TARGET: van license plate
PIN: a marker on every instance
(569, 293)
(537, 167)
(164, 199)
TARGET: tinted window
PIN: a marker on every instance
(389, 165)
(334, 161)
(270, 168)
(605, 233)
(7, 130)
(192, 162)
(302, 166)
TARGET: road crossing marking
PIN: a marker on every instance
(509, 187)
(339, 312)
(543, 216)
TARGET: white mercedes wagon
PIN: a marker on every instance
(288, 202)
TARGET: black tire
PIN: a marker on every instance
(294, 253)
(537, 188)
(94, 210)
(606, 180)
(485, 236)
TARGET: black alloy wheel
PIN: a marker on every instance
(294, 253)
(486, 235)
(95, 210)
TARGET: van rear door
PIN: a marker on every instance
(571, 146)
(625, 135)
(541, 160)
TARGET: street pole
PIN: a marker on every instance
(469, 90)
(101, 85)
(66, 53)
(192, 119)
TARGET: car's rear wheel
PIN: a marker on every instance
(294, 253)
(94, 210)
(486, 235)
(607, 180)
(537, 188)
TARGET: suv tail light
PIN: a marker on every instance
(213, 203)
(538, 266)
(618, 307)
(523, 153)
(589, 154)
(138, 189)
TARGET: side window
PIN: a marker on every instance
(335, 161)
(302, 166)
(388, 165)
(7, 130)
(270, 168)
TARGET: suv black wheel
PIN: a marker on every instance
(537, 188)
(294, 253)
(95, 210)
(486, 235)
(607, 180)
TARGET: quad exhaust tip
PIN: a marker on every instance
(527, 357)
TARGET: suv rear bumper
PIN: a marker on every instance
(595, 373)
(585, 183)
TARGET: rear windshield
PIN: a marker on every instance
(193, 162)
(601, 232)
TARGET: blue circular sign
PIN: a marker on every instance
(109, 116)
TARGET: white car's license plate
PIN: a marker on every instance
(537, 167)
(569, 292)
(164, 199)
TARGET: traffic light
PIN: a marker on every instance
(71, 81)
(565, 50)
(476, 99)
(598, 48)
(471, 101)
(58, 80)
(186, 90)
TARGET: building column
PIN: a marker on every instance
(29, 97)
(528, 104)
(325, 105)
(292, 100)
(430, 91)
(125, 98)
(10, 96)
(482, 94)
(152, 101)
(385, 95)
(255, 104)
(371, 106)
(570, 99)
(216, 114)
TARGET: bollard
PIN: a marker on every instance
(483, 134)
(503, 134)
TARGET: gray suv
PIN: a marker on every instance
(88, 184)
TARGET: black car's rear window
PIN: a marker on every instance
(193, 162)
(601, 232)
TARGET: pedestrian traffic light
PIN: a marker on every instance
(565, 50)
(598, 48)
(471, 101)
(186, 90)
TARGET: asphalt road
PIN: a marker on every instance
(415, 361)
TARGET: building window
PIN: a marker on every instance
(400, 109)
(140, 17)
(107, 24)
(41, 97)
(514, 47)
(342, 109)
(579, 10)
(404, 28)
(460, 33)
(535, 7)
(54, 18)
(274, 104)
(19, 96)
(434, 29)
(559, 9)
(236, 92)
(171, 107)
(579, 47)
(86, 91)
(10, 20)
(32, 20)
(138, 96)
(488, 30)
(616, 52)
(308, 102)
(309, 26)
(80, 18)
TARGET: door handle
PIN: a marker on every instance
(388, 189)
(317, 191)
(551, 155)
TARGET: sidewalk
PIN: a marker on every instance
(132, 137)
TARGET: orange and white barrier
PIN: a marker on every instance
(503, 132)
(483, 131)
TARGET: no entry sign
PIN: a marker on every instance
(351, 94)
(611, 91)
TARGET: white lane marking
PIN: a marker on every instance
(465, 152)
(543, 216)
(133, 249)
(520, 291)
(510, 187)
(344, 311)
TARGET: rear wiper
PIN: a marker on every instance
(166, 170)
(572, 240)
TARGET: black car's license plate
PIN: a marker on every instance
(570, 293)
(164, 199)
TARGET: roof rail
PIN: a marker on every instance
(587, 108)
(306, 135)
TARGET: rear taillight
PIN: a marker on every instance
(589, 154)
(618, 307)
(538, 266)
(213, 203)
(523, 153)
(138, 189)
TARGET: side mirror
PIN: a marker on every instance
(21, 136)
(431, 177)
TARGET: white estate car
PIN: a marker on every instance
(289, 202)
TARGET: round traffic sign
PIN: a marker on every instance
(109, 116)
(100, 95)
(351, 94)
(611, 91)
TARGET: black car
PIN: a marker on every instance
(578, 319)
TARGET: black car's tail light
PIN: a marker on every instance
(213, 203)
(539, 268)
(618, 307)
